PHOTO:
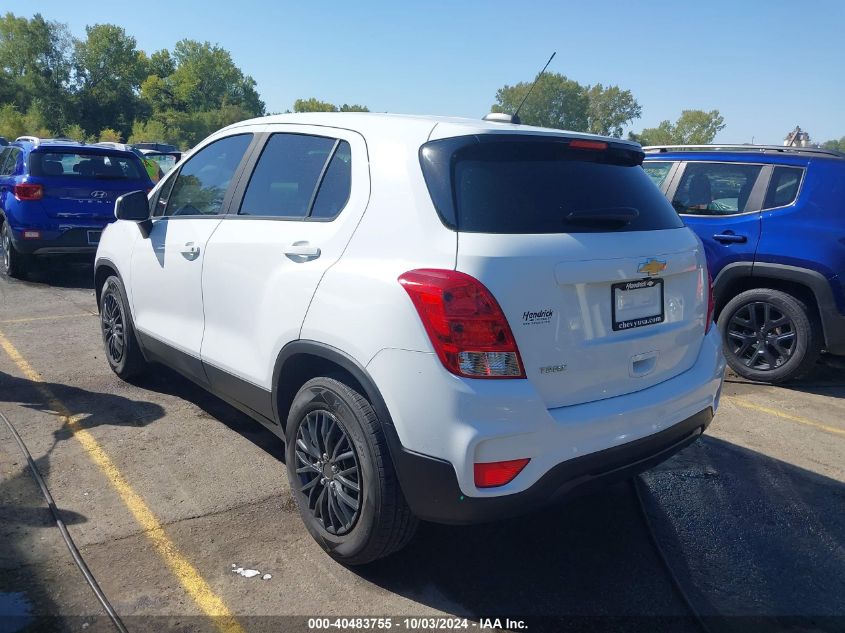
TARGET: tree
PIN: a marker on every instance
(109, 69)
(206, 78)
(693, 127)
(835, 145)
(313, 105)
(610, 109)
(35, 65)
(110, 135)
(555, 102)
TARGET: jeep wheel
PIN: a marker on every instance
(121, 346)
(14, 264)
(769, 336)
(341, 474)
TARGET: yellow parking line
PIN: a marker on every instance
(195, 585)
(786, 416)
(47, 318)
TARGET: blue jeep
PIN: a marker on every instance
(772, 220)
(57, 195)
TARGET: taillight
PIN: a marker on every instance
(467, 327)
(711, 303)
(580, 143)
(28, 191)
(492, 474)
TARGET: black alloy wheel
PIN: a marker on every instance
(328, 472)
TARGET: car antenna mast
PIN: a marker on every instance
(527, 94)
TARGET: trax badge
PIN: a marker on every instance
(652, 267)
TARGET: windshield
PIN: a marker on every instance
(519, 185)
(76, 164)
(165, 161)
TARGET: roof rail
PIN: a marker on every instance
(783, 149)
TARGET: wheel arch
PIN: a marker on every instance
(301, 360)
(809, 286)
(103, 269)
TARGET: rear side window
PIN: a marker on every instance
(292, 167)
(89, 165)
(715, 188)
(519, 184)
(657, 171)
(8, 160)
(201, 184)
(783, 187)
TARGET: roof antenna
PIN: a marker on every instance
(502, 117)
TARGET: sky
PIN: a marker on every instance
(766, 65)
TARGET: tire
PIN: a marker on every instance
(770, 336)
(14, 263)
(119, 341)
(335, 440)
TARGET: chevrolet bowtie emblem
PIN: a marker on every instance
(652, 267)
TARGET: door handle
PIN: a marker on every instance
(730, 238)
(190, 251)
(301, 251)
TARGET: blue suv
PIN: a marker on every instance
(57, 195)
(772, 220)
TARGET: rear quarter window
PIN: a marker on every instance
(541, 185)
(85, 165)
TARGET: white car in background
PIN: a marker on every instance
(444, 319)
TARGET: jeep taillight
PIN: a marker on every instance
(28, 191)
(467, 327)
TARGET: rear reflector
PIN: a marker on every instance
(28, 191)
(31, 235)
(584, 144)
(466, 326)
(493, 474)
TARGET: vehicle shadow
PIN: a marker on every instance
(62, 273)
(166, 381)
(88, 409)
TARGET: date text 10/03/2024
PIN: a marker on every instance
(417, 624)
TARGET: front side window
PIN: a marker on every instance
(783, 187)
(201, 184)
(657, 171)
(291, 169)
(715, 188)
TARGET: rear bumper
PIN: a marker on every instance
(70, 241)
(443, 425)
(431, 487)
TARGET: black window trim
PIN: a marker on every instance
(238, 196)
(803, 169)
(755, 199)
(230, 191)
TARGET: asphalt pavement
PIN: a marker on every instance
(167, 490)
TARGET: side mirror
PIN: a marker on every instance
(132, 206)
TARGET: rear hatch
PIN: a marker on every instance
(83, 183)
(603, 287)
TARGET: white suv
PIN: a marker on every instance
(444, 319)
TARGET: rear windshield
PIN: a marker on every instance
(86, 165)
(517, 184)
